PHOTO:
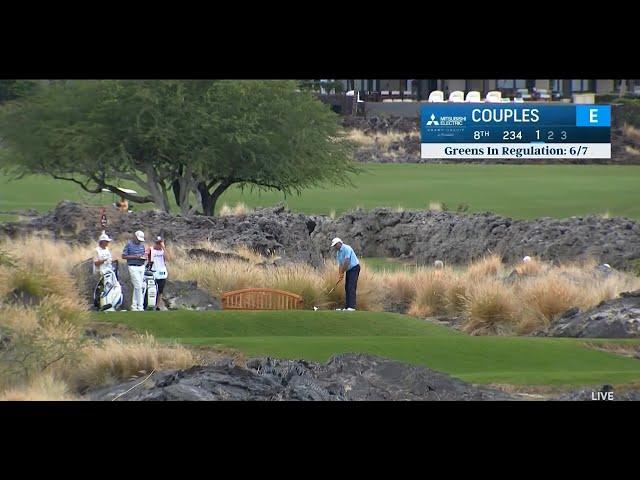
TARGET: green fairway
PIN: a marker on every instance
(518, 191)
(318, 335)
(381, 264)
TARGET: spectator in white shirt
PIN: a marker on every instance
(102, 259)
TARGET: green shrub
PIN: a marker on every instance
(630, 111)
(636, 266)
(6, 260)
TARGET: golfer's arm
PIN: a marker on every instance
(345, 266)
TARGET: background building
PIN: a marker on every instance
(376, 89)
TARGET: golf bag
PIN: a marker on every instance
(149, 288)
(108, 296)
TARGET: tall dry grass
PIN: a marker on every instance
(114, 360)
(456, 294)
(532, 267)
(43, 387)
(240, 208)
(490, 309)
(540, 294)
(431, 287)
(399, 290)
(543, 298)
(45, 355)
(45, 253)
(300, 279)
(632, 132)
(487, 266)
(39, 338)
(383, 140)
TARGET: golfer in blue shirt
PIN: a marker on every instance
(347, 263)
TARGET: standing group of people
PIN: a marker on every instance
(137, 256)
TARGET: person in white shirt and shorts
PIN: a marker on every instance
(159, 256)
(102, 259)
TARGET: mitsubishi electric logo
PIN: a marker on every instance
(446, 121)
(433, 120)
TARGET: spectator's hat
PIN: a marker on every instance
(104, 237)
(140, 235)
(335, 240)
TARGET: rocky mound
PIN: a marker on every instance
(427, 236)
(266, 230)
(423, 236)
(344, 377)
(617, 318)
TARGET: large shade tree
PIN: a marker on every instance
(190, 140)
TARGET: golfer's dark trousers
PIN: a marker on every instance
(350, 286)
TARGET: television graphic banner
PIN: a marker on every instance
(526, 130)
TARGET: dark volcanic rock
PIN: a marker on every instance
(180, 295)
(618, 318)
(428, 235)
(267, 231)
(213, 255)
(422, 235)
(344, 377)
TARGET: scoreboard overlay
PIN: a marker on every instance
(523, 130)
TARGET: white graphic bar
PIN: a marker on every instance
(515, 150)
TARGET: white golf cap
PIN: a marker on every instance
(140, 235)
(158, 238)
(335, 240)
(104, 237)
(526, 259)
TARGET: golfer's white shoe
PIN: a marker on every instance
(350, 309)
(339, 309)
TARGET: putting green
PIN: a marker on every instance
(318, 335)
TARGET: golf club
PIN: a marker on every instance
(315, 308)
(334, 287)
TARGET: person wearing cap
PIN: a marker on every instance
(136, 255)
(158, 255)
(348, 264)
(102, 257)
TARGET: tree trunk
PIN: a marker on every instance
(159, 195)
(175, 185)
(209, 200)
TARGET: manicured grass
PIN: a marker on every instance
(380, 264)
(318, 335)
(518, 191)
